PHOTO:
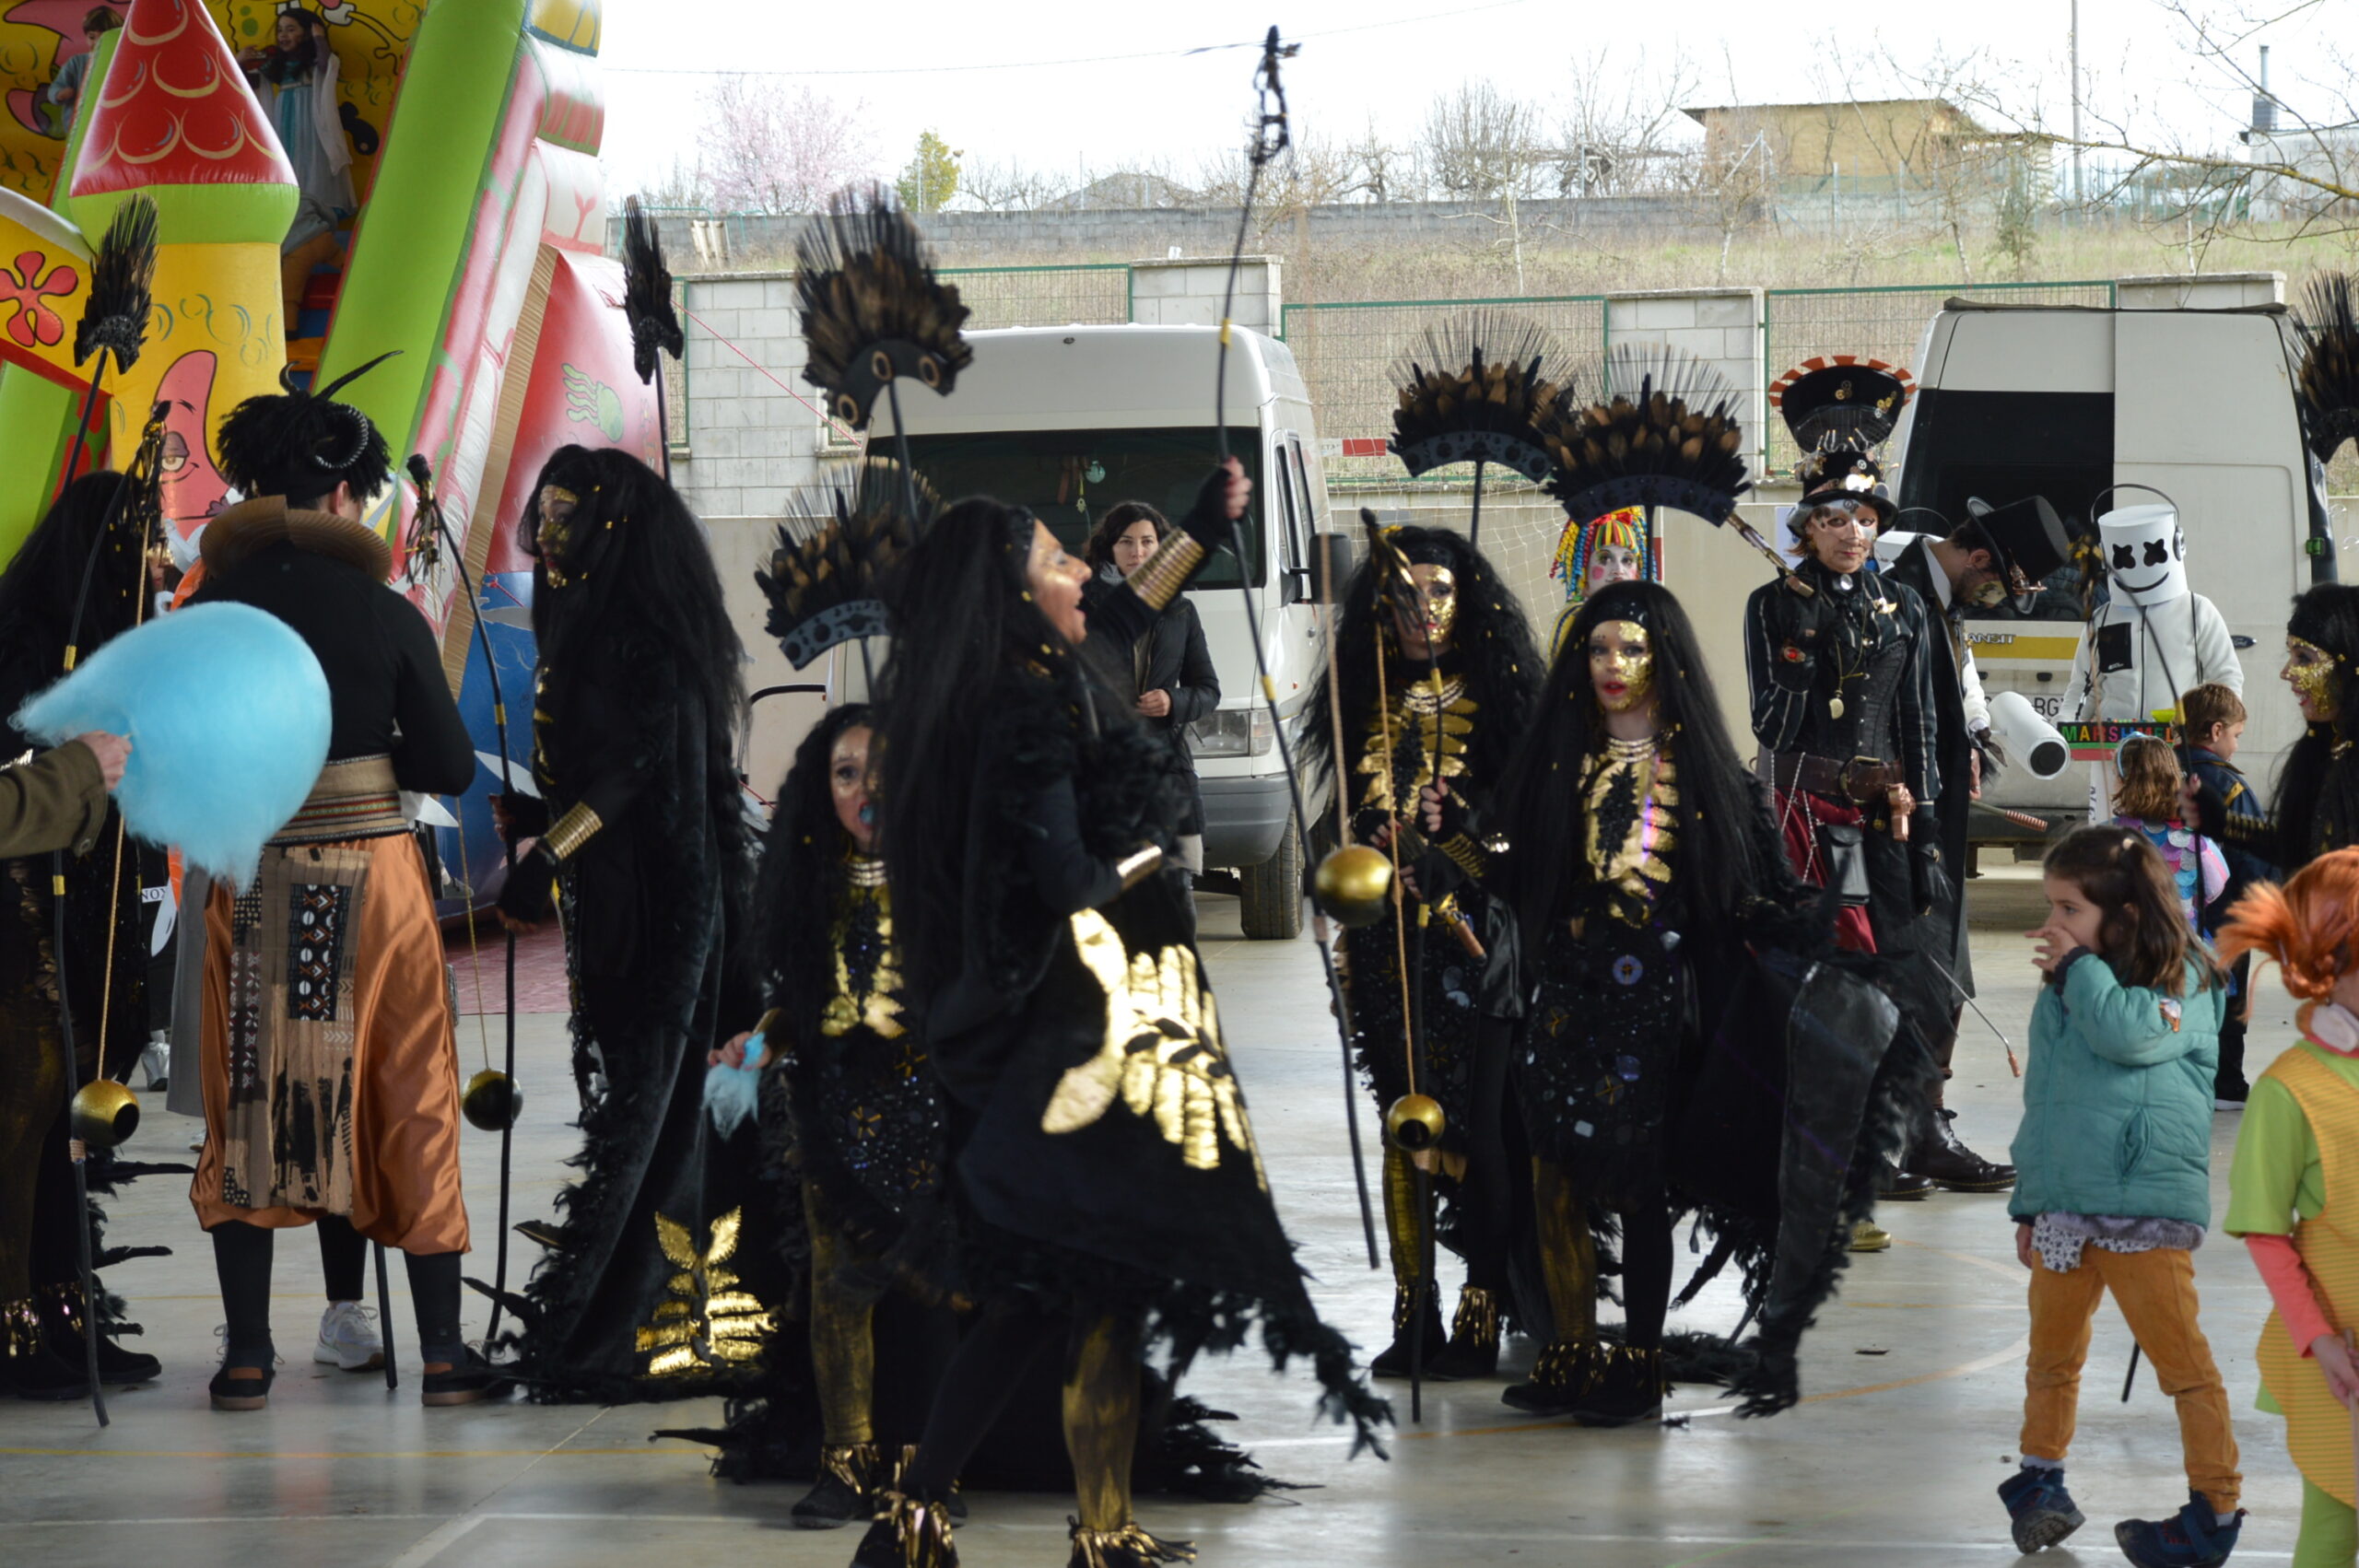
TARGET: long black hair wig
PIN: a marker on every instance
(43, 582)
(1490, 643)
(2318, 802)
(638, 572)
(802, 874)
(1726, 853)
(962, 615)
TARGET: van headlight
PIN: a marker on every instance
(1233, 731)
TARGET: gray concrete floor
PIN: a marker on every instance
(1913, 1381)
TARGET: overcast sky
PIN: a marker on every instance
(1028, 104)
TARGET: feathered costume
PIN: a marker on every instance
(636, 703)
(1462, 715)
(1692, 1045)
(41, 1311)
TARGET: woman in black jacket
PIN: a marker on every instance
(1170, 670)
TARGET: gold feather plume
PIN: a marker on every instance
(1476, 391)
(872, 309)
(826, 574)
(1663, 432)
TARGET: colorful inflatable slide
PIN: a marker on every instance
(477, 250)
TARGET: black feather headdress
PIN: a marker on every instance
(872, 309)
(2328, 382)
(1476, 391)
(122, 282)
(827, 572)
(647, 293)
(1665, 433)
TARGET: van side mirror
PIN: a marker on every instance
(1333, 559)
(1300, 586)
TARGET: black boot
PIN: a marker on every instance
(1559, 1378)
(1408, 1326)
(29, 1368)
(1474, 1348)
(1628, 1388)
(847, 1485)
(1951, 1163)
(907, 1534)
(458, 1374)
(1895, 1184)
(62, 1320)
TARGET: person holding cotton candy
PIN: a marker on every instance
(329, 1074)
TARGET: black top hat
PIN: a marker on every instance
(1842, 474)
(2026, 539)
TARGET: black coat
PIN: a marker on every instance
(1953, 754)
(1177, 662)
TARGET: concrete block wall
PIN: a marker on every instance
(1187, 292)
(1721, 326)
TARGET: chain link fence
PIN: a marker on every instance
(1880, 323)
(1097, 294)
(1346, 353)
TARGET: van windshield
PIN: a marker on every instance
(1070, 478)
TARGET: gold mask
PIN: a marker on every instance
(1620, 653)
(555, 532)
(2310, 670)
(1437, 599)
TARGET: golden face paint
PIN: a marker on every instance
(1621, 665)
(2310, 670)
(1437, 597)
(557, 504)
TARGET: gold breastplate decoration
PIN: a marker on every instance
(1422, 721)
(869, 1000)
(1628, 830)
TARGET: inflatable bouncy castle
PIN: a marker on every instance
(411, 175)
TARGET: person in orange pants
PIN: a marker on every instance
(2113, 1189)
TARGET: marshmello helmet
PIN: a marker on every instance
(2145, 554)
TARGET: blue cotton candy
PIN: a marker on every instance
(227, 716)
(732, 1093)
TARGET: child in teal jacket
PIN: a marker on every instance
(2113, 1182)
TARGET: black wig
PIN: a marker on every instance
(302, 445)
(1490, 643)
(640, 577)
(43, 582)
(802, 877)
(2317, 803)
(1721, 866)
(962, 615)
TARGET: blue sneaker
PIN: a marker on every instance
(2193, 1540)
(2043, 1512)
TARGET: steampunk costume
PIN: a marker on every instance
(1448, 721)
(2024, 542)
(329, 1074)
(58, 801)
(1692, 1045)
(644, 1293)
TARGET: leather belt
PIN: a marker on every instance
(1863, 780)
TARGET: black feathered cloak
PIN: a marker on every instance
(1102, 1157)
(650, 904)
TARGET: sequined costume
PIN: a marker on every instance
(1428, 1003)
(1692, 1045)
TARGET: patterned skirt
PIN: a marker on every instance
(330, 1071)
(1596, 1070)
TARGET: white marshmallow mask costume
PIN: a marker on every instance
(2145, 554)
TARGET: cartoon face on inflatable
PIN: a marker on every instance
(2145, 554)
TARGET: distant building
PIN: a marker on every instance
(1126, 190)
(1880, 144)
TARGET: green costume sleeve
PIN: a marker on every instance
(2126, 1025)
(56, 801)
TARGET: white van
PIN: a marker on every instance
(2066, 400)
(1069, 421)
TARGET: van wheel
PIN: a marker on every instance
(1271, 893)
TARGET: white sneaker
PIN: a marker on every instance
(349, 1338)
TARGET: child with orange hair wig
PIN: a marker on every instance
(2294, 1194)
